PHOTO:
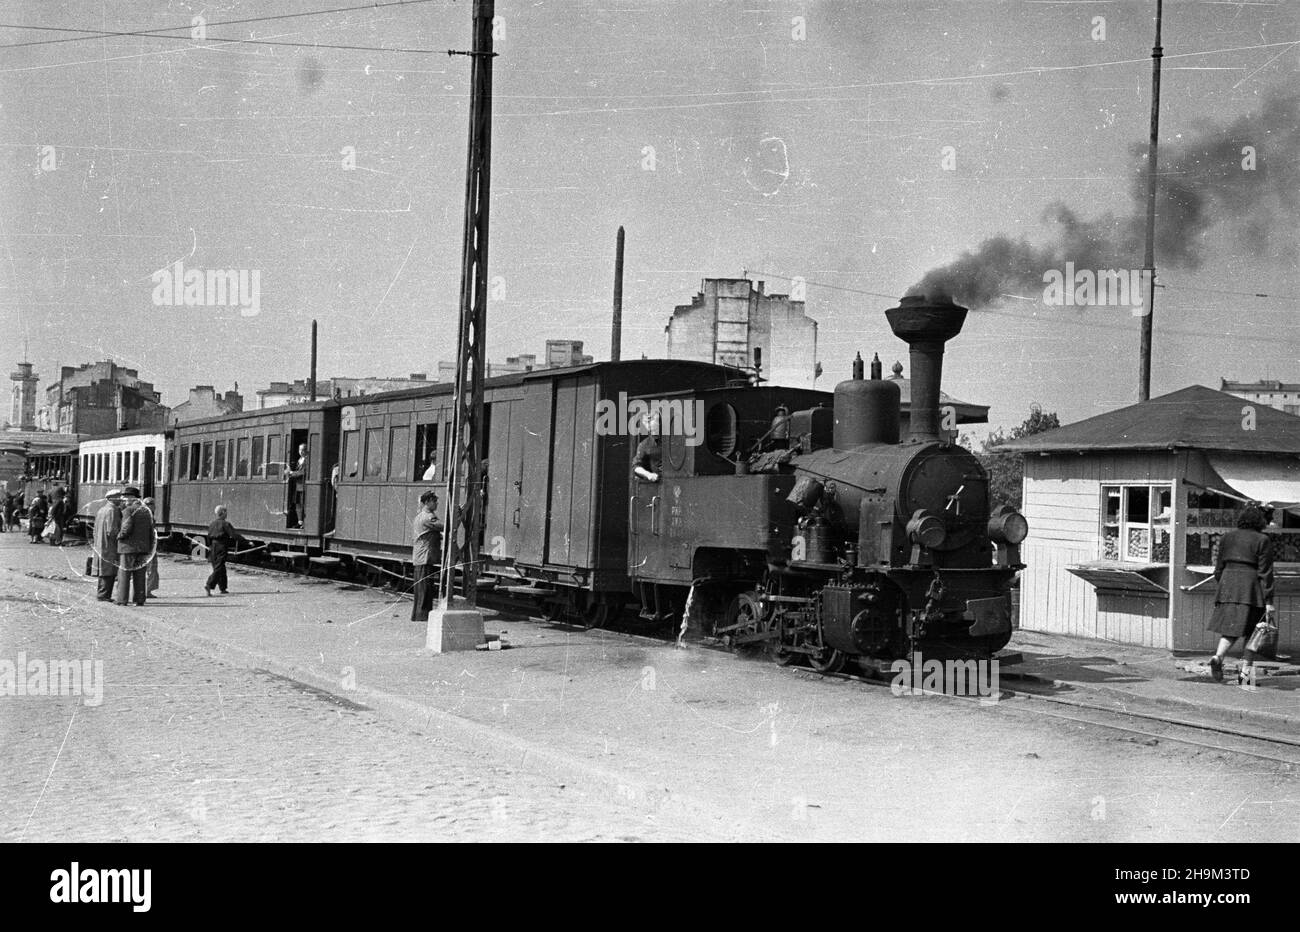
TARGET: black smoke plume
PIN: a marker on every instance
(1201, 183)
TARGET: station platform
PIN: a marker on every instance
(640, 714)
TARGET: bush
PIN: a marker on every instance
(1007, 470)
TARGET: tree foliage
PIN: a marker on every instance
(1007, 470)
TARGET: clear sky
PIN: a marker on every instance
(789, 139)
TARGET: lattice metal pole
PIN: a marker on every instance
(464, 507)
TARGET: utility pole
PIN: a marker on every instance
(311, 379)
(464, 506)
(616, 341)
(1149, 262)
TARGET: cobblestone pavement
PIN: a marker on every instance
(183, 748)
(649, 741)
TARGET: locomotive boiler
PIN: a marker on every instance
(846, 540)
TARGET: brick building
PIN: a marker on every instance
(101, 398)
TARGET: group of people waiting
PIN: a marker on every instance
(124, 548)
(46, 516)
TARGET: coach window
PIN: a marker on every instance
(256, 469)
(207, 460)
(399, 463)
(219, 460)
(274, 455)
(374, 452)
(135, 466)
(426, 452)
(183, 469)
(241, 457)
(230, 457)
(351, 453)
(195, 452)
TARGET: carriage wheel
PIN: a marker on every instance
(600, 611)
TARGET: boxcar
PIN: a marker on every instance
(241, 461)
(135, 457)
(558, 476)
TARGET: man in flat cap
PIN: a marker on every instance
(103, 561)
(135, 546)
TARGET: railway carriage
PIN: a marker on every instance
(47, 470)
(558, 472)
(135, 457)
(241, 461)
(555, 486)
(392, 446)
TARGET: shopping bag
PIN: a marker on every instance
(1263, 640)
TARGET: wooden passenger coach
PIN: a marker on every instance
(241, 461)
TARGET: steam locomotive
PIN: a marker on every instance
(817, 535)
(845, 542)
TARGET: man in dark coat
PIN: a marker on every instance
(60, 513)
(222, 540)
(37, 515)
(135, 546)
(104, 559)
(1244, 571)
(10, 513)
(426, 554)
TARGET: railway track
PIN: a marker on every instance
(1029, 697)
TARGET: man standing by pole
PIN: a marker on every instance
(426, 549)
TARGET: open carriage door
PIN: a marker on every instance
(148, 468)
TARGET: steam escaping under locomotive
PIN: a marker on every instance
(842, 539)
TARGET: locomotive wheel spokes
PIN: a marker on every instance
(827, 660)
(744, 617)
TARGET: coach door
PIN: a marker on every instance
(147, 471)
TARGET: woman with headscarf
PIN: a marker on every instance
(36, 517)
(1244, 572)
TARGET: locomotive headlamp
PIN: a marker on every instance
(1008, 526)
(926, 530)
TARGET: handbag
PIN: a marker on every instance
(1263, 640)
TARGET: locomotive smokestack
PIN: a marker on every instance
(616, 343)
(925, 324)
(875, 366)
(857, 367)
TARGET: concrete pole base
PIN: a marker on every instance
(454, 626)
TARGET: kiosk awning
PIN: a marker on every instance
(1123, 578)
(1274, 482)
